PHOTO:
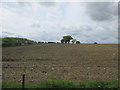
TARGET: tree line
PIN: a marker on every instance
(14, 41)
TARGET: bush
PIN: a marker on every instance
(58, 42)
(51, 42)
(39, 42)
(77, 42)
(95, 42)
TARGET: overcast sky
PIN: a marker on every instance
(49, 21)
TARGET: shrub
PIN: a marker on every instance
(51, 42)
(77, 42)
(95, 42)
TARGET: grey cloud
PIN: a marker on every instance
(102, 11)
(9, 34)
(23, 4)
(118, 8)
(77, 30)
(35, 25)
(46, 36)
(88, 33)
(84, 33)
(105, 38)
(47, 3)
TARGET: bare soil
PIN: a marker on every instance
(79, 62)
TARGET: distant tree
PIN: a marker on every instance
(62, 40)
(39, 42)
(51, 42)
(77, 42)
(66, 39)
(73, 40)
(29, 43)
(57, 42)
(95, 42)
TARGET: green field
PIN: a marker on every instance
(64, 84)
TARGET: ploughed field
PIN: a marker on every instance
(79, 62)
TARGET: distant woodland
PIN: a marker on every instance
(15, 41)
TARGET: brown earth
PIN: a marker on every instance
(77, 62)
